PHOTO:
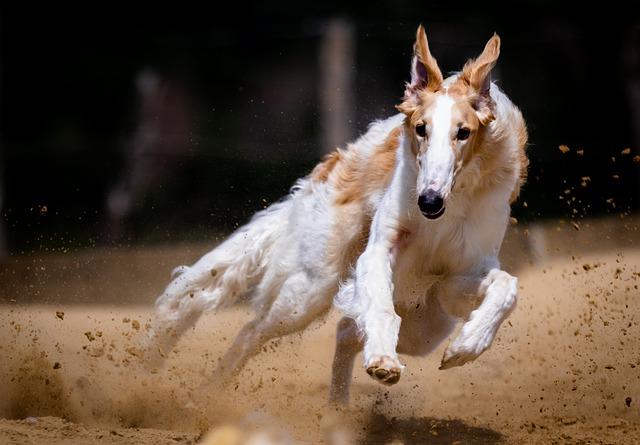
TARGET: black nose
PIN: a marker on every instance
(431, 204)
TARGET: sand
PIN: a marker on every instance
(565, 368)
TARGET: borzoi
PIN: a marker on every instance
(403, 227)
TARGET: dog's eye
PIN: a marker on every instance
(463, 134)
(421, 130)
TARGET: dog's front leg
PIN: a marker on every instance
(371, 303)
(374, 312)
(497, 292)
(378, 319)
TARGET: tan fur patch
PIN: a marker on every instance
(523, 136)
(321, 171)
(355, 178)
(349, 237)
(494, 167)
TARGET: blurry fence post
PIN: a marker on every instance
(3, 240)
(337, 98)
(631, 58)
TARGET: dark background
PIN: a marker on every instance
(239, 116)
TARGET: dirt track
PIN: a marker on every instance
(564, 369)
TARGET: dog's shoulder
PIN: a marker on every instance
(365, 168)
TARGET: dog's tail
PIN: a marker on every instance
(220, 278)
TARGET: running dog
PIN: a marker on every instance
(401, 230)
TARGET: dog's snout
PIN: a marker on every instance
(431, 204)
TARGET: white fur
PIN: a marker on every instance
(438, 159)
(447, 269)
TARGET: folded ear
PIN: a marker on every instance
(425, 72)
(478, 71)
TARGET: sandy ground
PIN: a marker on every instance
(565, 368)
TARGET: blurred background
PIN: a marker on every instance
(133, 139)
(153, 125)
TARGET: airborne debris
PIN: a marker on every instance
(134, 351)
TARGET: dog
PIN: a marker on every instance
(401, 231)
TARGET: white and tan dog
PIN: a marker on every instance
(403, 228)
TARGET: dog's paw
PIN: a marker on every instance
(453, 358)
(385, 369)
(466, 347)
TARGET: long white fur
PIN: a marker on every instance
(279, 262)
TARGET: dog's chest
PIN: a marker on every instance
(424, 259)
(451, 246)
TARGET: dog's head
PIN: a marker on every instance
(446, 119)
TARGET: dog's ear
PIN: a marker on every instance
(480, 75)
(425, 73)
(477, 73)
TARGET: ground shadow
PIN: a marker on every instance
(425, 430)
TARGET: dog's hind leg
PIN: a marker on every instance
(254, 335)
(423, 328)
(171, 320)
(497, 292)
(213, 281)
(218, 279)
(300, 301)
(348, 344)
(164, 337)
